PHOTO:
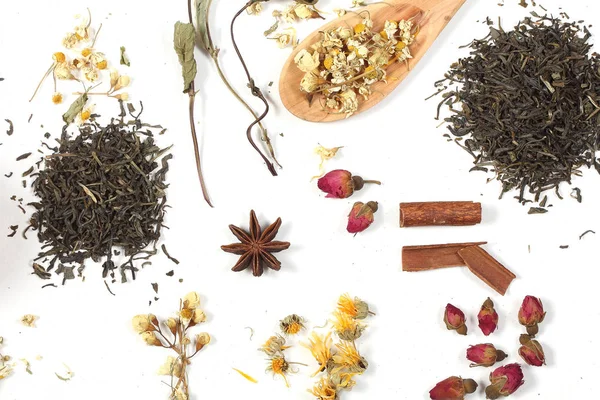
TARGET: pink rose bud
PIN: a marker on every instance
(453, 388)
(340, 184)
(531, 351)
(361, 216)
(484, 355)
(488, 317)
(531, 314)
(455, 320)
(504, 381)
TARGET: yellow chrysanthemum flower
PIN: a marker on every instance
(346, 327)
(279, 366)
(320, 347)
(348, 358)
(324, 390)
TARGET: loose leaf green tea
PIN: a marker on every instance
(103, 188)
(183, 42)
(526, 103)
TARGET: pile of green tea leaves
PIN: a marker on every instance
(100, 194)
(526, 102)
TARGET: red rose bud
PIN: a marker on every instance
(455, 320)
(361, 216)
(531, 314)
(340, 184)
(505, 381)
(484, 355)
(488, 317)
(531, 351)
(453, 388)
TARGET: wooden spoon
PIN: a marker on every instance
(432, 17)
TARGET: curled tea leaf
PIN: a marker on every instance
(183, 42)
(75, 109)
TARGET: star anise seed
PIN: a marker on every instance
(256, 246)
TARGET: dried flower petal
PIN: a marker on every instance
(307, 62)
(171, 367)
(29, 320)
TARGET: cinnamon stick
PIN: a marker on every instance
(445, 213)
(487, 268)
(424, 258)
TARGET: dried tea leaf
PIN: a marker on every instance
(75, 109)
(124, 59)
(155, 287)
(11, 127)
(202, 11)
(13, 228)
(183, 42)
(23, 156)
(40, 271)
(537, 210)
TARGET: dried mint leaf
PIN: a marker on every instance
(202, 11)
(75, 108)
(183, 42)
(124, 59)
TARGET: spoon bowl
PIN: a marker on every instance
(432, 16)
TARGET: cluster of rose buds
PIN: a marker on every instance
(341, 184)
(530, 315)
(504, 380)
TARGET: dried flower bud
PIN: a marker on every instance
(199, 316)
(191, 300)
(455, 320)
(292, 324)
(202, 339)
(151, 339)
(453, 388)
(346, 327)
(488, 317)
(356, 308)
(172, 323)
(361, 216)
(340, 184)
(504, 381)
(531, 351)
(484, 355)
(531, 314)
(171, 367)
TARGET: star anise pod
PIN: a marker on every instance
(255, 247)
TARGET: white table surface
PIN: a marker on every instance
(407, 345)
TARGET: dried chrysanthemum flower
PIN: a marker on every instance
(320, 347)
(274, 345)
(346, 327)
(57, 98)
(355, 308)
(324, 389)
(349, 359)
(254, 8)
(29, 320)
(292, 324)
(279, 366)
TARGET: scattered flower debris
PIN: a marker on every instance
(325, 154)
(245, 375)
(28, 320)
(67, 375)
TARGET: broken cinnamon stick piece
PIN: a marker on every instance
(445, 213)
(424, 258)
(487, 268)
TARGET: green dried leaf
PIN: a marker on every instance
(124, 58)
(202, 12)
(183, 42)
(75, 108)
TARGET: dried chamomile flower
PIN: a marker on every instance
(307, 62)
(292, 324)
(274, 345)
(348, 358)
(171, 367)
(279, 366)
(320, 347)
(304, 11)
(346, 327)
(57, 98)
(325, 154)
(254, 8)
(63, 72)
(29, 320)
(286, 38)
(355, 308)
(85, 114)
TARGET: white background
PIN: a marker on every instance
(397, 142)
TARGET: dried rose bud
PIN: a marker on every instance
(340, 184)
(504, 381)
(531, 314)
(531, 351)
(453, 388)
(455, 320)
(361, 216)
(488, 317)
(484, 355)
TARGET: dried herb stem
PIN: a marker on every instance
(42, 81)
(253, 89)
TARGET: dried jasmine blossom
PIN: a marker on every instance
(346, 61)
